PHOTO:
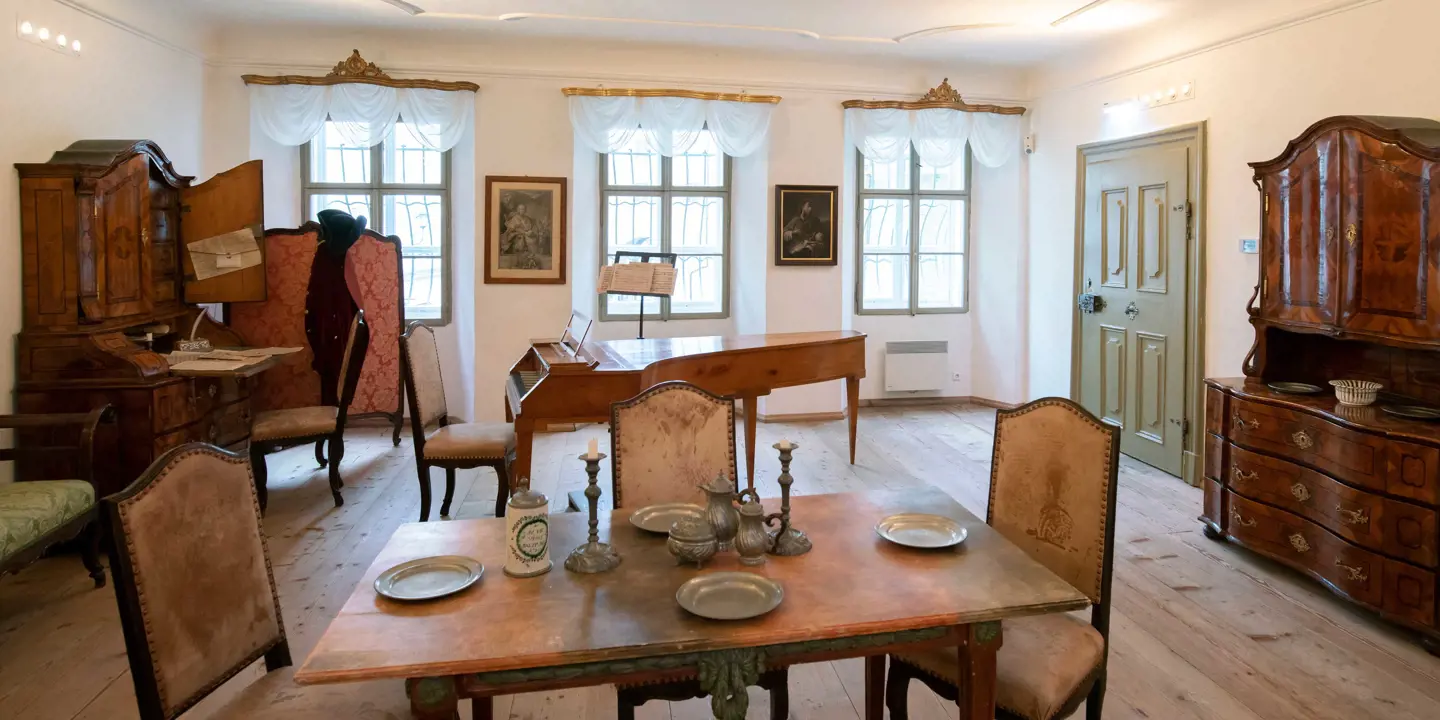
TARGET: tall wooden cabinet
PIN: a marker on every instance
(102, 226)
(1348, 289)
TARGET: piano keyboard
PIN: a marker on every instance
(528, 378)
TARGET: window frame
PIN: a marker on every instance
(667, 191)
(377, 189)
(915, 195)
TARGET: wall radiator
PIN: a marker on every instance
(916, 365)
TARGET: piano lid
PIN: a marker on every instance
(634, 354)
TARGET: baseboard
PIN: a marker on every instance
(799, 417)
(923, 401)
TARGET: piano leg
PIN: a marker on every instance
(751, 408)
(524, 439)
(852, 409)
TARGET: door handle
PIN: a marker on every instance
(1132, 310)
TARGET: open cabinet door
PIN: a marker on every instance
(233, 200)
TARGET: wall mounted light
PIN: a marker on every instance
(42, 35)
(1167, 96)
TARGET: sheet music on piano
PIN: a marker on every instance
(637, 279)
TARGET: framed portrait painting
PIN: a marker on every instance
(806, 232)
(524, 230)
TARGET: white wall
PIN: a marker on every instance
(1256, 94)
(522, 128)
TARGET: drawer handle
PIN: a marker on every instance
(1242, 475)
(1355, 573)
(1298, 542)
(1300, 492)
(1238, 520)
(1243, 424)
(1302, 440)
(213, 389)
(1353, 517)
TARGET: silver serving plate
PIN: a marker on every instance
(921, 530)
(1294, 388)
(1415, 412)
(659, 518)
(429, 578)
(730, 595)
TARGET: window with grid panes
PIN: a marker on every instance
(403, 189)
(914, 236)
(679, 205)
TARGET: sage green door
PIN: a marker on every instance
(1136, 227)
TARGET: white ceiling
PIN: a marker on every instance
(1013, 32)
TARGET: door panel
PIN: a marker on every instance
(122, 240)
(1302, 211)
(1132, 362)
(233, 200)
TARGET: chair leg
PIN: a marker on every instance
(320, 452)
(897, 688)
(90, 553)
(424, 490)
(278, 657)
(624, 710)
(1096, 700)
(780, 701)
(449, 492)
(395, 438)
(337, 451)
(258, 469)
(502, 488)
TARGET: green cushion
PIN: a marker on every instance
(29, 510)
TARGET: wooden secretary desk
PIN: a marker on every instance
(103, 225)
(1349, 289)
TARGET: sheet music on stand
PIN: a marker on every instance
(643, 278)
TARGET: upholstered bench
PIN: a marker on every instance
(37, 514)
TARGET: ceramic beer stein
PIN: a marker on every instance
(527, 534)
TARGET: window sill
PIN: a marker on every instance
(908, 313)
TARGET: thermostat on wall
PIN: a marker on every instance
(1250, 246)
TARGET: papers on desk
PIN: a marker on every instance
(211, 365)
(647, 278)
(223, 360)
(224, 254)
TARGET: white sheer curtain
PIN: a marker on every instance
(939, 135)
(669, 125)
(363, 113)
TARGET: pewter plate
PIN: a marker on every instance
(921, 530)
(1416, 412)
(429, 578)
(1294, 388)
(659, 518)
(730, 595)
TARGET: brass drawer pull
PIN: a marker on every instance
(1300, 492)
(1353, 517)
(1298, 542)
(1302, 440)
(1238, 520)
(1243, 424)
(1242, 475)
(1355, 573)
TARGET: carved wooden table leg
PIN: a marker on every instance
(752, 407)
(977, 670)
(524, 440)
(875, 687)
(433, 698)
(852, 410)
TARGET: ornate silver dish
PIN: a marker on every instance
(429, 578)
(921, 530)
(1294, 388)
(730, 595)
(659, 518)
(1414, 412)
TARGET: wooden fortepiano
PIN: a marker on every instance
(552, 384)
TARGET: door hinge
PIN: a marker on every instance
(1189, 220)
(1184, 428)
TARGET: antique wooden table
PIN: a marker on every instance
(854, 595)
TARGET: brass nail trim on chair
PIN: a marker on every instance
(659, 92)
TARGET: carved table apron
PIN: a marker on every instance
(854, 595)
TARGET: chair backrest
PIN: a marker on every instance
(197, 597)
(354, 361)
(374, 274)
(420, 364)
(279, 320)
(1052, 490)
(668, 440)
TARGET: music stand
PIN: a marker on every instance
(643, 257)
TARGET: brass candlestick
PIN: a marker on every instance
(594, 556)
(788, 540)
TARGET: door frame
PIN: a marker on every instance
(1192, 135)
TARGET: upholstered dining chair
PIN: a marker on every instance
(664, 443)
(1052, 492)
(453, 446)
(198, 601)
(274, 430)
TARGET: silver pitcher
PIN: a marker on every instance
(720, 510)
(752, 541)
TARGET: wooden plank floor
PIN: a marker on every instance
(1200, 629)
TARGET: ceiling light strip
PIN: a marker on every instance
(1077, 13)
(657, 92)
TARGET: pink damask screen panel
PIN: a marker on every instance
(372, 270)
(279, 321)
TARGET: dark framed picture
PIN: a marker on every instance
(524, 230)
(806, 231)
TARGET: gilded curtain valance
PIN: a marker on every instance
(669, 121)
(940, 125)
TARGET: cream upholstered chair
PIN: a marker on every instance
(1052, 492)
(451, 445)
(665, 442)
(198, 602)
(275, 430)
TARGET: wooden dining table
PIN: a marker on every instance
(853, 595)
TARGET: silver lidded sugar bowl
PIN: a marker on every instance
(692, 540)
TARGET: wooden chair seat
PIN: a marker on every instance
(294, 423)
(1045, 662)
(31, 510)
(470, 441)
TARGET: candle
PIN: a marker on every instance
(594, 448)
(785, 445)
